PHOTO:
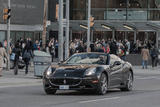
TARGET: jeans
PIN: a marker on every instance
(26, 60)
(144, 63)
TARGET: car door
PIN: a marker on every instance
(115, 71)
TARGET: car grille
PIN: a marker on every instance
(68, 81)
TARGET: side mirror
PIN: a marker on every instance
(117, 63)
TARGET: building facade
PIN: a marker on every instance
(142, 17)
(26, 19)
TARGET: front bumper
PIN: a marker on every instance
(86, 83)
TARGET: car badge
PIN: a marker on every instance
(64, 81)
(65, 75)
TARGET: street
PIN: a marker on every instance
(27, 91)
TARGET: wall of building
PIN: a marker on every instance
(24, 12)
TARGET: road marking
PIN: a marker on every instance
(148, 78)
(20, 85)
(113, 98)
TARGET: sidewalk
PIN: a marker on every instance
(10, 80)
(149, 71)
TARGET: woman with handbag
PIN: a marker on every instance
(2, 55)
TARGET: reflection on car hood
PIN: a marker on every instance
(70, 70)
(73, 66)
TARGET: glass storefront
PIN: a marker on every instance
(117, 9)
(16, 35)
(78, 9)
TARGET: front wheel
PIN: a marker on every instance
(102, 85)
(129, 83)
(48, 90)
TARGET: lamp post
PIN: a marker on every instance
(67, 30)
(60, 32)
(44, 24)
(8, 37)
(88, 30)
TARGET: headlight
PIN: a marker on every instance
(90, 71)
(49, 71)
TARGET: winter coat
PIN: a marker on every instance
(145, 54)
(2, 55)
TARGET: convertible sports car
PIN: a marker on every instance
(89, 71)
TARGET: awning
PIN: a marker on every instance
(141, 26)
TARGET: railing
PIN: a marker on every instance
(119, 14)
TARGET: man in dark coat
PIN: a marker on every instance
(17, 51)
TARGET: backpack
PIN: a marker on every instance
(27, 54)
(153, 53)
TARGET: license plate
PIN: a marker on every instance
(64, 87)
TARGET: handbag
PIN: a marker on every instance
(12, 57)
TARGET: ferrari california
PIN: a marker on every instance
(89, 71)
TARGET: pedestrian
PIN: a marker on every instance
(121, 52)
(56, 48)
(145, 57)
(27, 55)
(36, 45)
(80, 48)
(113, 47)
(51, 46)
(154, 56)
(17, 51)
(72, 48)
(107, 49)
(2, 55)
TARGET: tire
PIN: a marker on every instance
(102, 85)
(129, 83)
(48, 89)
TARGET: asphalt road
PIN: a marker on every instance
(146, 93)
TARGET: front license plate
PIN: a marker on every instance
(64, 87)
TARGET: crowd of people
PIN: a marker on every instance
(24, 48)
(21, 49)
(120, 48)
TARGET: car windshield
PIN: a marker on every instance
(89, 58)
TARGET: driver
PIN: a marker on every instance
(101, 60)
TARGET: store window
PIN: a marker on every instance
(116, 10)
(154, 10)
(2, 36)
(19, 35)
(98, 4)
(137, 9)
(29, 35)
(98, 9)
(13, 37)
(78, 11)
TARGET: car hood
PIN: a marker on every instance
(62, 71)
(67, 66)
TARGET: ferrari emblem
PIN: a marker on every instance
(64, 82)
(65, 75)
